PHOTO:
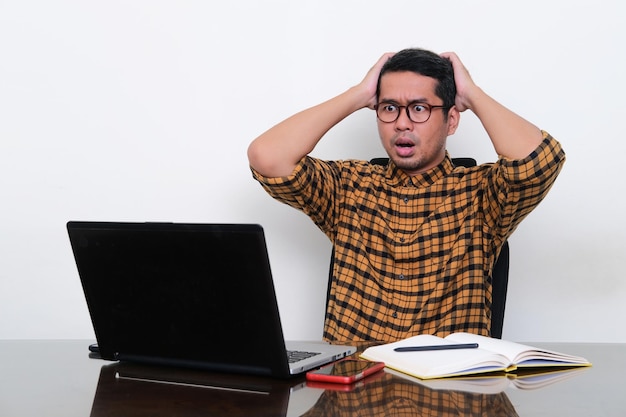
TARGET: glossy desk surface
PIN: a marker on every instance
(57, 378)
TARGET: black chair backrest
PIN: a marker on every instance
(499, 274)
(499, 285)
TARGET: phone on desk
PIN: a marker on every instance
(345, 371)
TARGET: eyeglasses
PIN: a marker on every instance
(418, 112)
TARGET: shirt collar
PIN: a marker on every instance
(396, 176)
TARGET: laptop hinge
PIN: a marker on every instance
(190, 363)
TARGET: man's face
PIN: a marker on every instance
(414, 147)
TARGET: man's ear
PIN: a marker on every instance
(454, 117)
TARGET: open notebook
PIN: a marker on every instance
(427, 356)
(195, 295)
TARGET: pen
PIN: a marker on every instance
(436, 347)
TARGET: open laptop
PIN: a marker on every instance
(193, 295)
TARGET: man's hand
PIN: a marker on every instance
(465, 86)
(370, 82)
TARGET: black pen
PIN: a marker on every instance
(436, 347)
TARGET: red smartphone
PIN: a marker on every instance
(345, 371)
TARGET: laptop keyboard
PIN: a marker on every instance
(298, 355)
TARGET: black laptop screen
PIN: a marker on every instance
(179, 291)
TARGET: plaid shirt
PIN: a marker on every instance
(413, 254)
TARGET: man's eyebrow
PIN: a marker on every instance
(389, 100)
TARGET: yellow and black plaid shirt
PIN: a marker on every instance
(413, 254)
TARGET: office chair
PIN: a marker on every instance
(499, 274)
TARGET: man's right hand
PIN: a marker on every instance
(370, 82)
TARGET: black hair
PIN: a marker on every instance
(426, 63)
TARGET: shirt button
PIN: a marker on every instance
(406, 199)
(401, 276)
(394, 315)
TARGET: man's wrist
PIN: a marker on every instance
(361, 97)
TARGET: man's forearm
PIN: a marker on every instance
(513, 137)
(277, 151)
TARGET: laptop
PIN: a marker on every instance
(191, 295)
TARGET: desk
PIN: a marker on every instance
(57, 378)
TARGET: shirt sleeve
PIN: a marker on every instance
(309, 188)
(520, 185)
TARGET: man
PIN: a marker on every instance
(414, 242)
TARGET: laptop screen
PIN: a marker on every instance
(179, 291)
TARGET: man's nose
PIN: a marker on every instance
(403, 122)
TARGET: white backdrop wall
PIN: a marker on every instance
(142, 110)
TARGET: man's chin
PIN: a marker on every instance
(408, 165)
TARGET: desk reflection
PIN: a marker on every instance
(390, 395)
(140, 390)
(57, 379)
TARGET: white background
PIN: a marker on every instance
(142, 110)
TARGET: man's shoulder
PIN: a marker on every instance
(356, 166)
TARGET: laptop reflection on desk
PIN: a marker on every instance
(126, 389)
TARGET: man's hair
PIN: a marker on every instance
(426, 63)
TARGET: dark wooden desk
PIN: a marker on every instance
(57, 378)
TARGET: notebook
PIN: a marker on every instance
(192, 295)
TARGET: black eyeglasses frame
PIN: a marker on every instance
(406, 109)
